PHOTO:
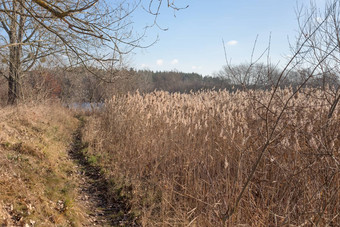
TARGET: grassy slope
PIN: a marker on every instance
(37, 183)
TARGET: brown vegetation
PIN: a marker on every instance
(184, 159)
(37, 180)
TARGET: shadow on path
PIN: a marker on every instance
(104, 210)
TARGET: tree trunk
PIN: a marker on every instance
(15, 36)
(13, 80)
(11, 90)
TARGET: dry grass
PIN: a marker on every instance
(36, 176)
(187, 157)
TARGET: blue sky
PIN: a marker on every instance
(193, 41)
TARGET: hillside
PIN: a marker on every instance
(36, 175)
(45, 180)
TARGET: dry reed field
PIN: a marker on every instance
(184, 159)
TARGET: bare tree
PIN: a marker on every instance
(317, 49)
(322, 47)
(246, 75)
(89, 33)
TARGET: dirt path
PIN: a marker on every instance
(93, 193)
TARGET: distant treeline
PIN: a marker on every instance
(174, 81)
(238, 77)
(95, 85)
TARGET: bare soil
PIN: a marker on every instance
(103, 208)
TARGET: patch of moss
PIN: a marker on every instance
(92, 159)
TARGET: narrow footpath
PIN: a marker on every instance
(93, 191)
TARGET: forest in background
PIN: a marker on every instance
(78, 85)
(254, 144)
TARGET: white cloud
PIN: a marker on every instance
(319, 19)
(174, 62)
(144, 65)
(232, 43)
(194, 67)
(288, 56)
(159, 62)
